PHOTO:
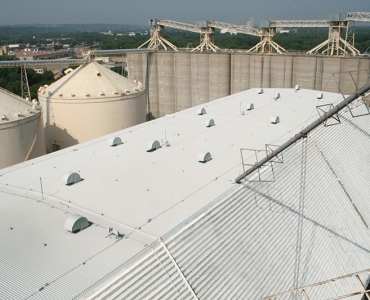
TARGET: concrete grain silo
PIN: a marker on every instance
(21, 129)
(90, 102)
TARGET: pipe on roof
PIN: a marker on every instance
(305, 131)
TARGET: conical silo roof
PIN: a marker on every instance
(13, 107)
(91, 81)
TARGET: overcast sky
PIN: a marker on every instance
(138, 12)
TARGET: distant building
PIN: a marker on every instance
(3, 50)
(39, 55)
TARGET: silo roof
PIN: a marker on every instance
(13, 107)
(91, 81)
(135, 197)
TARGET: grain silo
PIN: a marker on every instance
(21, 132)
(89, 102)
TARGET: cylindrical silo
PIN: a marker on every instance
(240, 72)
(350, 75)
(278, 71)
(90, 102)
(256, 70)
(152, 77)
(304, 72)
(200, 78)
(219, 75)
(166, 83)
(331, 65)
(21, 130)
(363, 71)
(182, 80)
(266, 71)
(135, 66)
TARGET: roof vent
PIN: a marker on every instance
(3, 118)
(102, 94)
(72, 95)
(153, 145)
(297, 87)
(75, 223)
(49, 92)
(87, 95)
(320, 95)
(19, 114)
(60, 95)
(98, 73)
(260, 91)
(30, 111)
(201, 111)
(71, 178)
(250, 106)
(209, 123)
(36, 106)
(115, 93)
(277, 96)
(204, 157)
(114, 141)
(275, 119)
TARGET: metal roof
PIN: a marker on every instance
(144, 196)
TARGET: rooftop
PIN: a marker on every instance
(141, 195)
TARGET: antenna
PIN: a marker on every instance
(42, 191)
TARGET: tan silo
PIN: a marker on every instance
(90, 102)
(21, 129)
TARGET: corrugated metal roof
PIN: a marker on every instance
(145, 195)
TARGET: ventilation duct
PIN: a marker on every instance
(209, 123)
(76, 223)
(114, 141)
(260, 91)
(275, 119)
(297, 87)
(320, 95)
(201, 111)
(153, 145)
(71, 178)
(204, 157)
(277, 96)
(250, 106)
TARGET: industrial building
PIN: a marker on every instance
(21, 129)
(89, 102)
(157, 211)
(182, 79)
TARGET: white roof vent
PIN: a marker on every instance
(260, 91)
(76, 223)
(60, 95)
(250, 106)
(114, 141)
(71, 178)
(320, 95)
(153, 145)
(209, 123)
(275, 119)
(3, 118)
(277, 96)
(87, 95)
(102, 94)
(36, 106)
(72, 95)
(204, 157)
(201, 111)
(49, 92)
(115, 93)
(98, 73)
(297, 87)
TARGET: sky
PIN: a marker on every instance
(138, 12)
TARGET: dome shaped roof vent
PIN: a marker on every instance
(114, 141)
(201, 111)
(209, 123)
(153, 145)
(71, 178)
(204, 157)
(275, 119)
(75, 223)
